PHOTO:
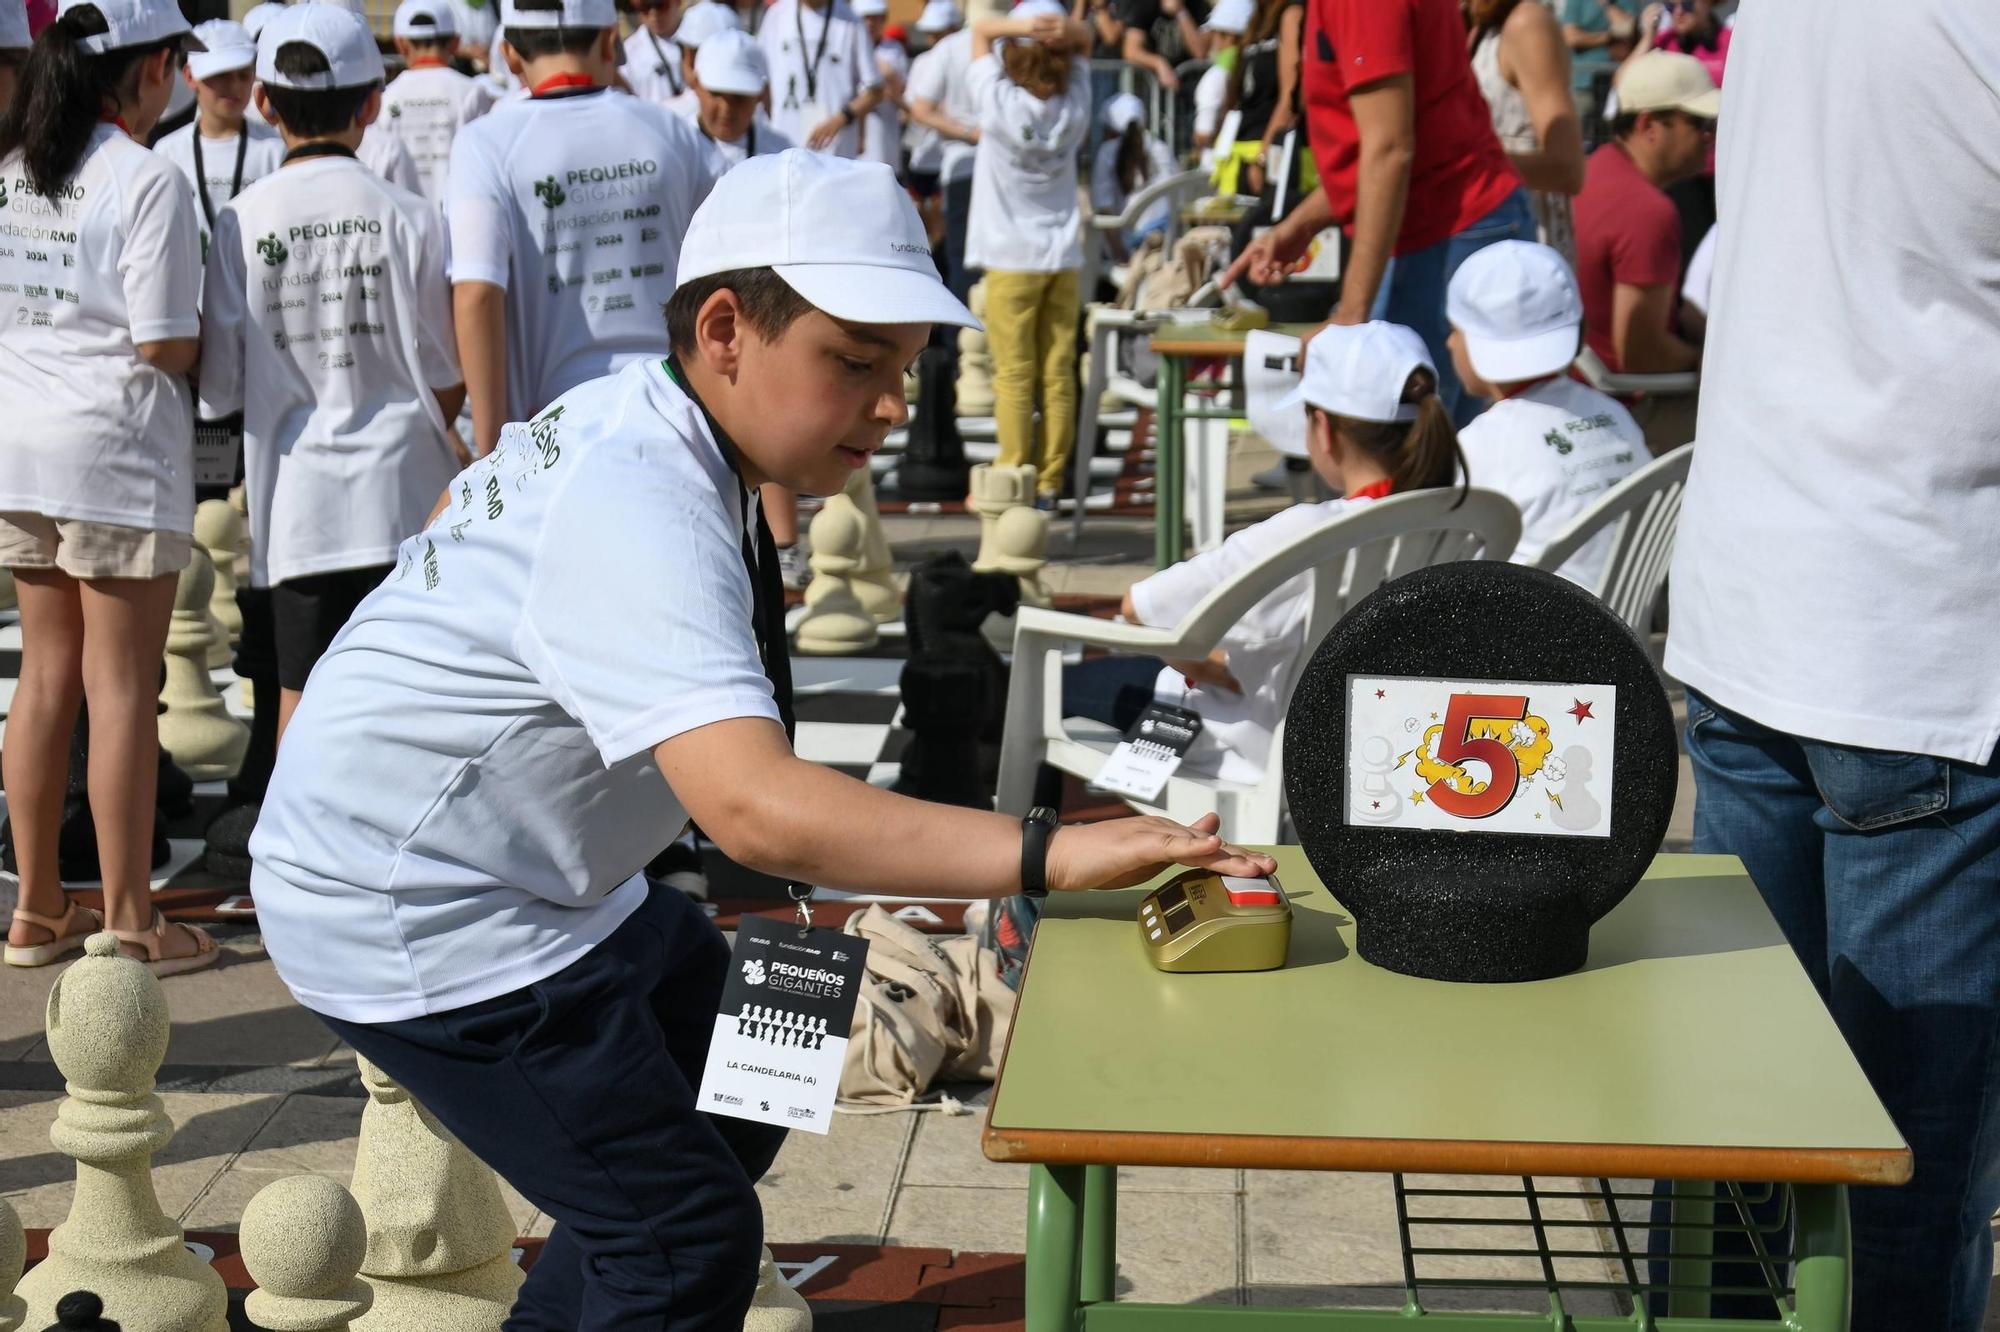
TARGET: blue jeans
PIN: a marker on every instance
(1883, 870)
(1412, 292)
(580, 1091)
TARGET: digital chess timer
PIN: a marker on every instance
(1212, 922)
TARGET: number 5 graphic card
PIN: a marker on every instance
(1480, 756)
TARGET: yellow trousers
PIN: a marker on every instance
(1031, 329)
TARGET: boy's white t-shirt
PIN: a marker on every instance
(263, 153)
(760, 140)
(576, 205)
(1833, 572)
(1265, 649)
(884, 141)
(820, 60)
(1025, 214)
(938, 76)
(382, 152)
(426, 108)
(466, 795)
(652, 67)
(1554, 450)
(328, 325)
(93, 431)
(1108, 197)
(478, 22)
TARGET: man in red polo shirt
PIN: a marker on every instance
(1409, 167)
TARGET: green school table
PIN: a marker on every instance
(1691, 1047)
(1176, 345)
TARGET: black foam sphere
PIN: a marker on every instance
(1476, 904)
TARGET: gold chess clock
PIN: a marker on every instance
(1212, 922)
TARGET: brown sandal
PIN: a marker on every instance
(152, 943)
(67, 937)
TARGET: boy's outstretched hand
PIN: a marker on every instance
(1121, 852)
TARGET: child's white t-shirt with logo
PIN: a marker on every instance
(1265, 649)
(467, 794)
(1025, 217)
(426, 108)
(652, 68)
(820, 60)
(114, 260)
(382, 152)
(263, 153)
(328, 325)
(576, 205)
(1554, 450)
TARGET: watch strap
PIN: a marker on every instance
(1036, 829)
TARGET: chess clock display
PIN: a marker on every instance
(1480, 762)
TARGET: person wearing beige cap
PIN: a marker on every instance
(584, 649)
(1628, 232)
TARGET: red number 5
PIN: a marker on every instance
(1456, 744)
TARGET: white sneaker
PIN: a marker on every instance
(776, 1307)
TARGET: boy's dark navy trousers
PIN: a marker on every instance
(580, 1091)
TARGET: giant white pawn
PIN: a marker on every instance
(776, 1307)
(1020, 547)
(13, 1257)
(221, 531)
(206, 742)
(975, 360)
(835, 622)
(107, 1030)
(875, 579)
(993, 491)
(440, 1240)
(303, 1241)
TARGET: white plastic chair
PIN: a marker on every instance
(1347, 559)
(1646, 506)
(1619, 384)
(1178, 190)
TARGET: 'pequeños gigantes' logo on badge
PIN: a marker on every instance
(273, 250)
(549, 192)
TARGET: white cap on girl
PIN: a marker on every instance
(131, 23)
(226, 47)
(1122, 111)
(1359, 370)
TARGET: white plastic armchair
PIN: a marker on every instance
(1646, 507)
(1347, 559)
(1619, 384)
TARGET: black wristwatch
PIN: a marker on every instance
(1035, 832)
(847, 113)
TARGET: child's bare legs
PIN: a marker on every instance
(35, 761)
(125, 631)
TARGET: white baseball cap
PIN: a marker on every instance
(338, 33)
(358, 8)
(703, 20)
(258, 15)
(131, 23)
(939, 16)
(1358, 371)
(1232, 16)
(571, 14)
(14, 34)
(841, 232)
(870, 8)
(732, 62)
(1034, 9)
(440, 20)
(1516, 302)
(1667, 81)
(1123, 111)
(225, 48)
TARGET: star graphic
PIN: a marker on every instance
(1580, 710)
(1381, 693)
(1434, 716)
(1416, 797)
(1375, 804)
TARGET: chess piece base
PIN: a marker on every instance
(477, 1297)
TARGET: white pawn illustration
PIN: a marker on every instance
(303, 1240)
(1375, 798)
(107, 1029)
(221, 531)
(13, 1256)
(975, 361)
(440, 1240)
(1580, 811)
(206, 742)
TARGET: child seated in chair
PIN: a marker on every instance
(1375, 427)
(1550, 443)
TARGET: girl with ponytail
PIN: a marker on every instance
(1375, 426)
(102, 269)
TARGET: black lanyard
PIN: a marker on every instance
(760, 562)
(665, 66)
(812, 66)
(201, 176)
(317, 148)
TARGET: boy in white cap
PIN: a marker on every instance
(221, 150)
(823, 74)
(1550, 443)
(328, 325)
(381, 151)
(654, 62)
(699, 22)
(430, 102)
(566, 210)
(583, 650)
(882, 129)
(730, 81)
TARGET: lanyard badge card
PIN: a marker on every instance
(781, 1037)
(1152, 749)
